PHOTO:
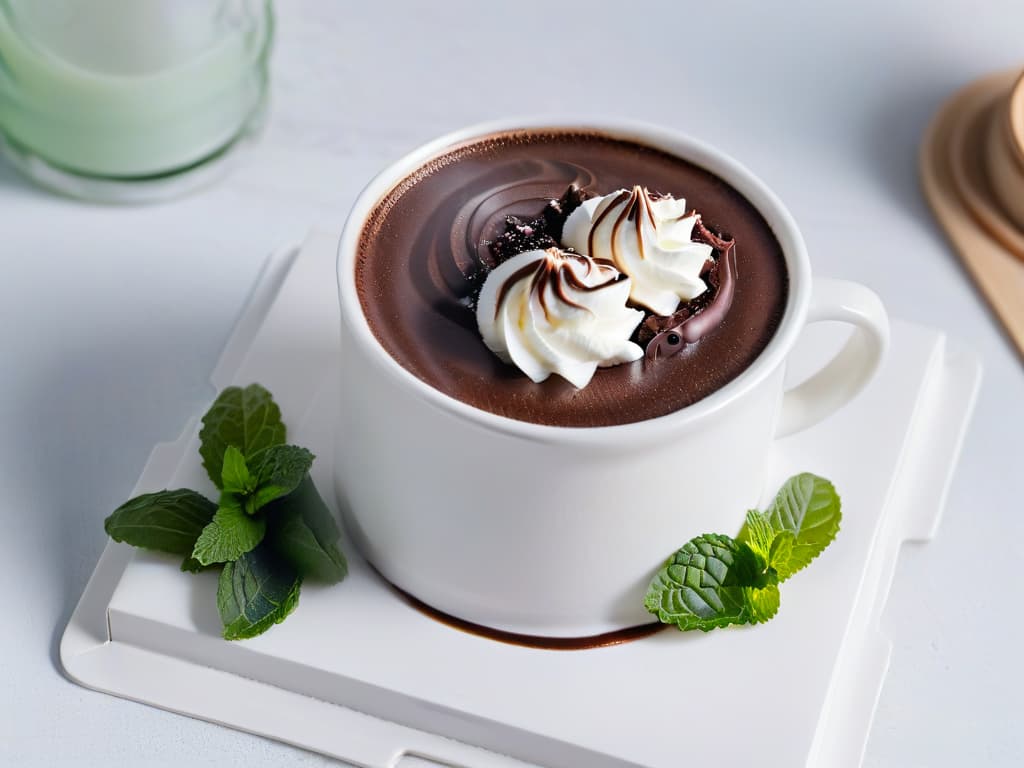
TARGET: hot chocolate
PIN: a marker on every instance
(428, 244)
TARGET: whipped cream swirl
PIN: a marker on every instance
(646, 237)
(547, 311)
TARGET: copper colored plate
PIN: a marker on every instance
(970, 133)
(1015, 121)
(997, 272)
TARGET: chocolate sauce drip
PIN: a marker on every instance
(695, 319)
(582, 643)
(423, 253)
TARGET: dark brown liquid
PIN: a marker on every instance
(582, 643)
(420, 244)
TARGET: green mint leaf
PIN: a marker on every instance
(248, 419)
(808, 507)
(780, 553)
(234, 474)
(167, 521)
(191, 565)
(278, 470)
(763, 602)
(304, 533)
(702, 586)
(256, 592)
(758, 533)
(229, 535)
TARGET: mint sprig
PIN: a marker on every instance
(304, 533)
(702, 585)
(807, 507)
(714, 580)
(255, 592)
(270, 528)
(234, 474)
(762, 603)
(247, 419)
(229, 535)
(278, 470)
(166, 521)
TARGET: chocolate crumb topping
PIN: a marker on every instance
(521, 236)
(537, 234)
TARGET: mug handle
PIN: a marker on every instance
(852, 368)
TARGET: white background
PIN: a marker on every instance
(111, 319)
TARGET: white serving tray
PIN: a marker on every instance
(359, 674)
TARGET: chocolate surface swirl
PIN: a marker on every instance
(424, 252)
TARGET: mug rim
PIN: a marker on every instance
(777, 216)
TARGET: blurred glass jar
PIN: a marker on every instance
(126, 100)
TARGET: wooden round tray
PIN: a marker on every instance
(952, 167)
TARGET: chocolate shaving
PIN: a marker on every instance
(720, 243)
(557, 211)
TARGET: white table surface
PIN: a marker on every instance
(112, 318)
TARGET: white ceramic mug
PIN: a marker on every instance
(557, 531)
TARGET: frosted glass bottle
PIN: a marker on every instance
(130, 100)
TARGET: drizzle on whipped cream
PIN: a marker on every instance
(548, 311)
(647, 237)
